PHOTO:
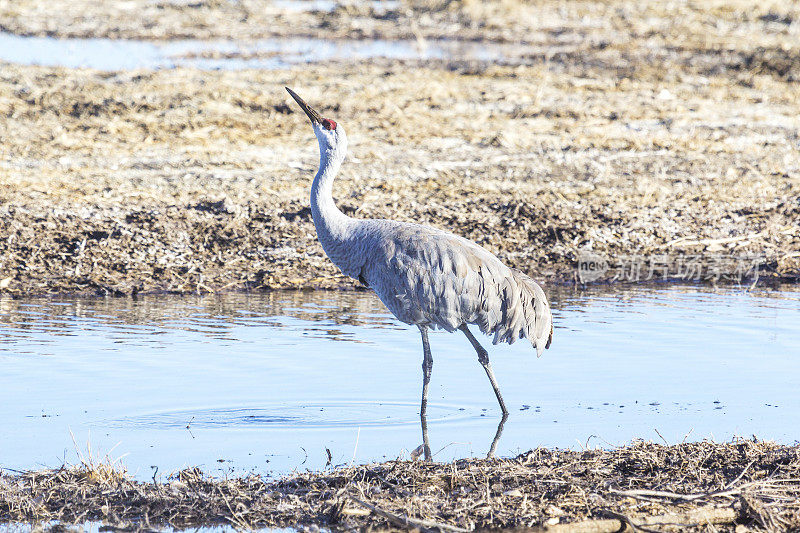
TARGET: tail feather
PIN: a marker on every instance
(523, 312)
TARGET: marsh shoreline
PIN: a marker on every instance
(615, 143)
(744, 485)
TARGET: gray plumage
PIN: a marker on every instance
(429, 277)
(425, 276)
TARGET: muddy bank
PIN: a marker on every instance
(738, 486)
(614, 139)
(198, 181)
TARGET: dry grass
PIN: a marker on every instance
(700, 486)
(629, 128)
(709, 23)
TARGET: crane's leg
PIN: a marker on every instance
(427, 367)
(483, 359)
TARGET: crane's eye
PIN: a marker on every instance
(328, 124)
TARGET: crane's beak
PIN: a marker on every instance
(313, 115)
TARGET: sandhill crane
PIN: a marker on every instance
(425, 276)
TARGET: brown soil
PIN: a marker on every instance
(740, 486)
(637, 129)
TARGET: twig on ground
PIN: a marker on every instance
(424, 526)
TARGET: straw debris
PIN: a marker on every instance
(704, 486)
(624, 129)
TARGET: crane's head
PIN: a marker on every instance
(330, 135)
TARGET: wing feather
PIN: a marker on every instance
(428, 276)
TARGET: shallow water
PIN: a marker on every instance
(129, 54)
(270, 382)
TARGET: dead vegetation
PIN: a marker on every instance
(635, 129)
(713, 23)
(744, 485)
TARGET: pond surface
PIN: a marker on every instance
(129, 54)
(276, 382)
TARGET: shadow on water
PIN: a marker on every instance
(278, 381)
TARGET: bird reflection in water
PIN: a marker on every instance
(425, 447)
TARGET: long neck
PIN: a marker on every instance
(333, 226)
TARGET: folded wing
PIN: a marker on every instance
(427, 276)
